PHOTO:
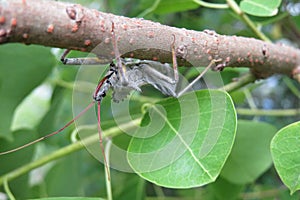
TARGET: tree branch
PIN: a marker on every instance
(72, 26)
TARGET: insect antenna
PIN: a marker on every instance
(51, 134)
(100, 92)
(100, 139)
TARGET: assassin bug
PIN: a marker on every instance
(123, 77)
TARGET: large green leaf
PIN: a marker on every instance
(250, 155)
(285, 149)
(22, 68)
(185, 141)
(262, 8)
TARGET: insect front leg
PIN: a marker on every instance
(190, 85)
(82, 61)
(174, 60)
(121, 67)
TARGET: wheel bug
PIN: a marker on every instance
(123, 77)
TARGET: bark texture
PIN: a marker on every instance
(72, 26)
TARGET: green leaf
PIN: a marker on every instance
(250, 155)
(22, 68)
(187, 140)
(171, 6)
(285, 149)
(261, 8)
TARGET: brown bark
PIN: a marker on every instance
(72, 26)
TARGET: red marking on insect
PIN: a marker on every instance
(50, 28)
(13, 22)
(2, 19)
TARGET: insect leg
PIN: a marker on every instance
(121, 67)
(82, 61)
(160, 76)
(212, 62)
(174, 60)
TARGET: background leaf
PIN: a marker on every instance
(250, 155)
(171, 6)
(262, 8)
(22, 68)
(180, 155)
(285, 148)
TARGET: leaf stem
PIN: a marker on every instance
(263, 112)
(7, 190)
(150, 9)
(242, 81)
(211, 5)
(234, 6)
(292, 87)
(65, 151)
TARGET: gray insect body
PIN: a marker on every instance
(138, 73)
